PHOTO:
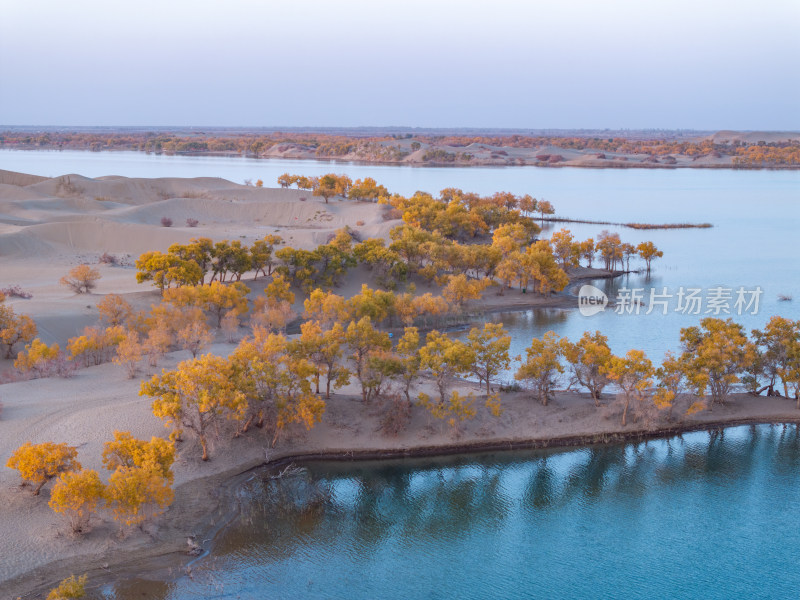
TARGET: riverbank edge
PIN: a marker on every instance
(167, 559)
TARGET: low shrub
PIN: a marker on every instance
(14, 291)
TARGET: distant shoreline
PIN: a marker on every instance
(584, 162)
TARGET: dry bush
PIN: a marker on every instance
(392, 214)
(195, 195)
(190, 222)
(11, 376)
(63, 367)
(397, 415)
(66, 186)
(14, 291)
(359, 223)
(166, 222)
(108, 259)
(230, 326)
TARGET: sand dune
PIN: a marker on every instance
(753, 137)
(48, 225)
(19, 244)
(19, 179)
(107, 214)
(128, 190)
(10, 191)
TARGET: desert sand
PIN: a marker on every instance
(49, 225)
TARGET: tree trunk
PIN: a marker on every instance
(39, 488)
(205, 448)
(247, 424)
(625, 411)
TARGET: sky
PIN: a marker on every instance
(638, 64)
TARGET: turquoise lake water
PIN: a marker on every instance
(706, 516)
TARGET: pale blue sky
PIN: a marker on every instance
(702, 64)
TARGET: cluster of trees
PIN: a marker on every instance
(185, 319)
(272, 382)
(412, 250)
(458, 233)
(614, 253)
(460, 215)
(463, 242)
(715, 357)
(138, 488)
(190, 264)
(762, 155)
(332, 185)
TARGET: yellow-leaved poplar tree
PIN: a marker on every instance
(198, 396)
(135, 494)
(37, 358)
(542, 365)
(126, 451)
(77, 495)
(39, 463)
(14, 329)
(70, 588)
(490, 351)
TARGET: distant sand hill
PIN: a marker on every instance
(61, 216)
(753, 137)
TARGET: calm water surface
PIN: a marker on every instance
(703, 516)
(756, 216)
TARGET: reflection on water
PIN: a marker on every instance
(705, 515)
